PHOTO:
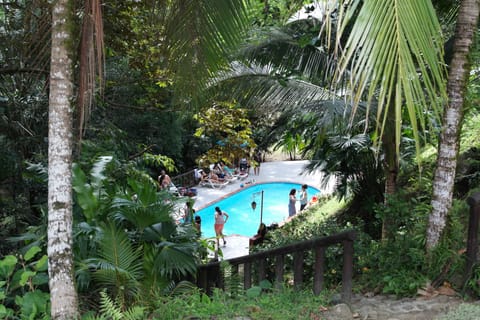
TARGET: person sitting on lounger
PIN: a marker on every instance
(218, 170)
(212, 176)
(229, 172)
(200, 175)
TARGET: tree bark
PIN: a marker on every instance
(452, 120)
(390, 165)
(64, 301)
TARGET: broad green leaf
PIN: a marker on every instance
(254, 292)
(39, 279)
(5, 313)
(265, 284)
(42, 264)
(26, 276)
(31, 253)
(7, 265)
(34, 304)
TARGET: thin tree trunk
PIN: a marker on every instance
(452, 120)
(64, 302)
(390, 166)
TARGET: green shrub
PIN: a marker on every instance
(282, 304)
(21, 281)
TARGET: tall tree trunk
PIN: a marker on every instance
(390, 165)
(64, 302)
(452, 120)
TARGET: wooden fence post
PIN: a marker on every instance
(318, 276)
(347, 272)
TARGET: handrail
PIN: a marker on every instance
(209, 276)
(186, 179)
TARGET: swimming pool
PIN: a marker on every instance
(243, 219)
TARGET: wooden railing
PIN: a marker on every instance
(209, 275)
(186, 179)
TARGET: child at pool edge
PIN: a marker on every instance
(221, 218)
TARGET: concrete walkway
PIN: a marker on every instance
(384, 307)
(281, 171)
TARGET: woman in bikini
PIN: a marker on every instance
(221, 218)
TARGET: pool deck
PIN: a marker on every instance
(277, 171)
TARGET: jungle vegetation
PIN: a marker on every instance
(363, 91)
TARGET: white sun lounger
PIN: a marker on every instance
(213, 184)
(173, 189)
(242, 176)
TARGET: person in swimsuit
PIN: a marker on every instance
(292, 201)
(221, 218)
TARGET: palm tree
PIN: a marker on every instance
(126, 237)
(387, 58)
(211, 26)
(443, 182)
(60, 260)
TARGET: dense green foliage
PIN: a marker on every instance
(164, 106)
(267, 305)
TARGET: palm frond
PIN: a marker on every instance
(142, 206)
(263, 86)
(394, 53)
(111, 310)
(200, 45)
(119, 264)
(280, 47)
(174, 259)
(183, 287)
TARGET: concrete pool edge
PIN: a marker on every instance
(249, 185)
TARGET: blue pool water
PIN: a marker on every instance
(243, 219)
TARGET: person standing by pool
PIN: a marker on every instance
(198, 224)
(221, 218)
(257, 160)
(303, 197)
(292, 201)
(188, 212)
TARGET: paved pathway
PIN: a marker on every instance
(383, 307)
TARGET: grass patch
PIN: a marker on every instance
(327, 207)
